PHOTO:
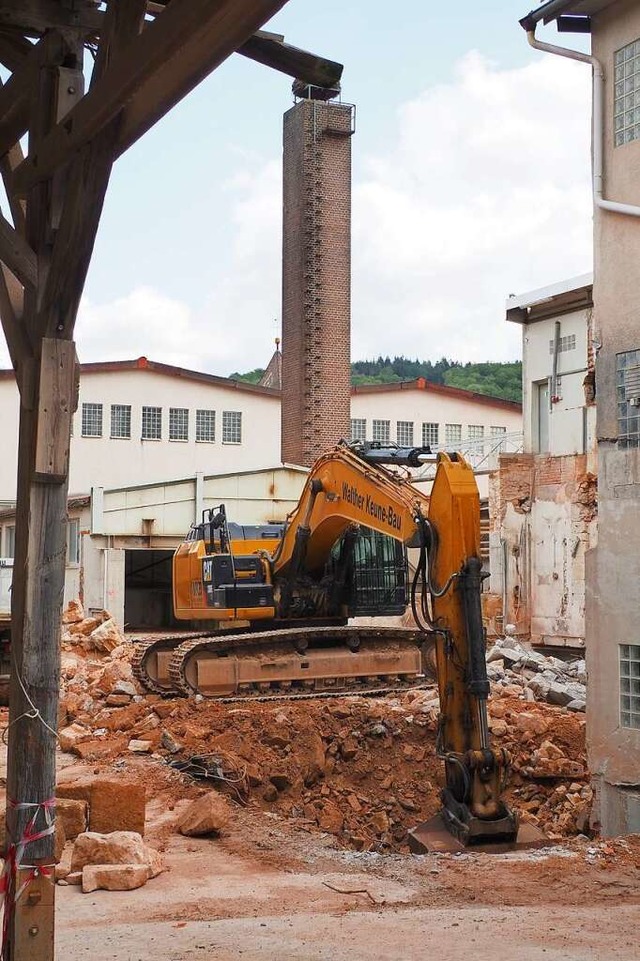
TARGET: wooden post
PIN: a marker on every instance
(47, 385)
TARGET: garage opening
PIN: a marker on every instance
(147, 590)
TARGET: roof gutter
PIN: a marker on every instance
(529, 23)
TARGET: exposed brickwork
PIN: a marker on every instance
(316, 298)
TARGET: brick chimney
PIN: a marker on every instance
(316, 280)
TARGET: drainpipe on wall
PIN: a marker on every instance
(598, 117)
(553, 393)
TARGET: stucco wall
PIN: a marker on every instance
(614, 567)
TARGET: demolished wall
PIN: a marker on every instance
(542, 521)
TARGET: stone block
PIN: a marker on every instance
(209, 814)
(116, 806)
(118, 847)
(113, 877)
(73, 815)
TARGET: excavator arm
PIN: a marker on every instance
(349, 487)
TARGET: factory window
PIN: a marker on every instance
(73, 541)
(358, 428)
(382, 431)
(626, 97)
(498, 435)
(404, 433)
(628, 398)
(564, 344)
(475, 432)
(9, 541)
(430, 434)
(452, 434)
(152, 423)
(630, 685)
(231, 427)
(120, 420)
(178, 423)
(206, 426)
(92, 420)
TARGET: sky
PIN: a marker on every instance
(470, 183)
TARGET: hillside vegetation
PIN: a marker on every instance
(495, 379)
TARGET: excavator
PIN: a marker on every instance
(275, 603)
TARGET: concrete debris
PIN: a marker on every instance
(538, 677)
(113, 877)
(119, 847)
(209, 814)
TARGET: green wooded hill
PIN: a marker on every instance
(495, 379)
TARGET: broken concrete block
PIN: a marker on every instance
(73, 815)
(125, 687)
(116, 806)
(558, 694)
(113, 877)
(577, 705)
(119, 847)
(106, 636)
(73, 613)
(69, 737)
(139, 747)
(207, 815)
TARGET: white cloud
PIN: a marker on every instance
(482, 191)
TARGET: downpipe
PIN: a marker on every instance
(597, 69)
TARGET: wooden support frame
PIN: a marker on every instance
(149, 76)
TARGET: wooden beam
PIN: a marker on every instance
(43, 15)
(121, 19)
(18, 256)
(14, 48)
(171, 56)
(8, 164)
(11, 309)
(299, 64)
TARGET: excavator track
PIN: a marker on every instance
(147, 651)
(277, 664)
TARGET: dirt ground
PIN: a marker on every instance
(318, 867)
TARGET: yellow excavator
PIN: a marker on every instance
(277, 602)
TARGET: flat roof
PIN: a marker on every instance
(561, 297)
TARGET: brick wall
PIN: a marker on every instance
(316, 281)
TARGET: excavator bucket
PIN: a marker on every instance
(433, 837)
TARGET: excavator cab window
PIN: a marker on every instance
(378, 577)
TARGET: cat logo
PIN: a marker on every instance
(207, 570)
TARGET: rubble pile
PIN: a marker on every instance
(362, 769)
(536, 676)
(118, 861)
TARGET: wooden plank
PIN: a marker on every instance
(121, 20)
(11, 308)
(57, 389)
(42, 15)
(297, 63)
(170, 57)
(18, 256)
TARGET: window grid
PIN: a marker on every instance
(10, 541)
(120, 420)
(452, 434)
(404, 433)
(92, 420)
(564, 344)
(630, 685)
(178, 423)
(358, 428)
(231, 427)
(430, 434)
(206, 426)
(628, 413)
(497, 431)
(152, 423)
(475, 432)
(381, 431)
(626, 98)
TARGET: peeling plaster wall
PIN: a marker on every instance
(542, 513)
